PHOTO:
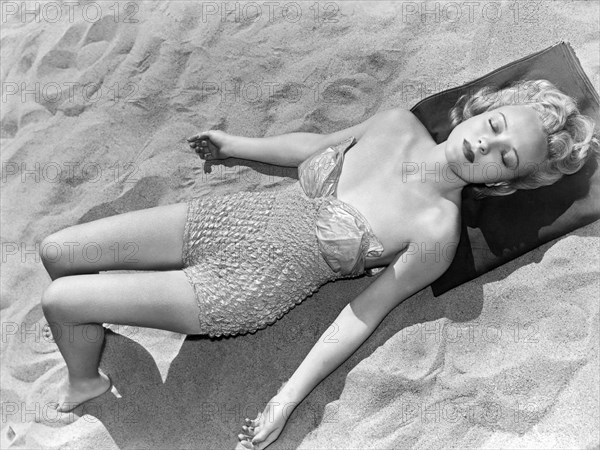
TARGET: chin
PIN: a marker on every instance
(453, 152)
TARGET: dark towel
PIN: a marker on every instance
(498, 229)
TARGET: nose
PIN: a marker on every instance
(483, 146)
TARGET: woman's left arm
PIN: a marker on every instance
(407, 274)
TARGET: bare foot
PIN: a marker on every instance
(47, 333)
(74, 393)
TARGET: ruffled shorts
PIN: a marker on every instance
(251, 257)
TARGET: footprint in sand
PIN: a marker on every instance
(56, 66)
(96, 41)
(104, 29)
(380, 66)
(56, 60)
(189, 176)
(68, 52)
(65, 53)
(29, 54)
(345, 101)
(9, 126)
(33, 113)
(72, 36)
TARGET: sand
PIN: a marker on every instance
(97, 103)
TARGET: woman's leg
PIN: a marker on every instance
(148, 239)
(76, 306)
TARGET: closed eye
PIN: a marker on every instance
(492, 125)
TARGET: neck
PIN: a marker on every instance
(433, 169)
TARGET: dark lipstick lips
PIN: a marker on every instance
(468, 152)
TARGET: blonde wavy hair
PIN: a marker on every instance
(570, 135)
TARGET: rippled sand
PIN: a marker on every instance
(95, 111)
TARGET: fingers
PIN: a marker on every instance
(249, 432)
(196, 140)
(202, 144)
(199, 142)
(259, 438)
(253, 423)
(255, 436)
(258, 433)
(245, 439)
(250, 427)
(202, 147)
(201, 135)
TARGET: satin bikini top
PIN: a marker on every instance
(344, 235)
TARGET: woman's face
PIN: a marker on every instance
(497, 145)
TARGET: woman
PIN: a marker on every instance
(397, 198)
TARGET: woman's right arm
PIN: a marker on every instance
(283, 150)
(289, 149)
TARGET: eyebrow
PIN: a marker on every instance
(506, 127)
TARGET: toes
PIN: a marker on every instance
(46, 330)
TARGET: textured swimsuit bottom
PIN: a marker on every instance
(251, 257)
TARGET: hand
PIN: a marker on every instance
(211, 145)
(262, 431)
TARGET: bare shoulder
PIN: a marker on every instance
(390, 122)
(398, 122)
(399, 116)
(440, 227)
(427, 256)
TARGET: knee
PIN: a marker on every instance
(54, 255)
(55, 297)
